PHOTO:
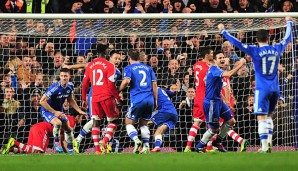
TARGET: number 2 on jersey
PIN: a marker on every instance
(98, 82)
(264, 65)
(144, 76)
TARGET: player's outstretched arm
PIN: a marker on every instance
(234, 70)
(75, 66)
(233, 39)
(287, 38)
(221, 27)
(124, 84)
(44, 102)
(74, 104)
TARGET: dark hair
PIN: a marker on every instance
(191, 87)
(185, 75)
(101, 50)
(216, 53)
(64, 70)
(134, 54)
(205, 51)
(262, 35)
(111, 54)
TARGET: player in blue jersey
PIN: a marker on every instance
(265, 59)
(165, 117)
(214, 107)
(143, 99)
(115, 59)
(52, 107)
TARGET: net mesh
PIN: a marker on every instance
(170, 46)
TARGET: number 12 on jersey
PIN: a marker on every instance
(99, 80)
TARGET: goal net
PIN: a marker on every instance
(171, 44)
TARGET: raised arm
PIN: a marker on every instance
(234, 70)
(234, 40)
(287, 38)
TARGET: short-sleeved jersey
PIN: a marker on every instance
(200, 70)
(57, 95)
(165, 104)
(214, 83)
(117, 77)
(265, 59)
(101, 74)
(141, 77)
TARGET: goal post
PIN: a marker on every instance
(170, 43)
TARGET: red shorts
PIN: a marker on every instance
(108, 107)
(38, 138)
(198, 111)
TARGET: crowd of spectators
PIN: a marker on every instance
(147, 6)
(33, 52)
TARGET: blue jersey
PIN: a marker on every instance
(166, 114)
(165, 104)
(57, 95)
(117, 74)
(265, 59)
(141, 77)
(214, 83)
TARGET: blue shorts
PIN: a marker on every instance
(89, 101)
(214, 109)
(161, 118)
(265, 102)
(48, 116)
(142, 109)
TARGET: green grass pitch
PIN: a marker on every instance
(276, 161)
